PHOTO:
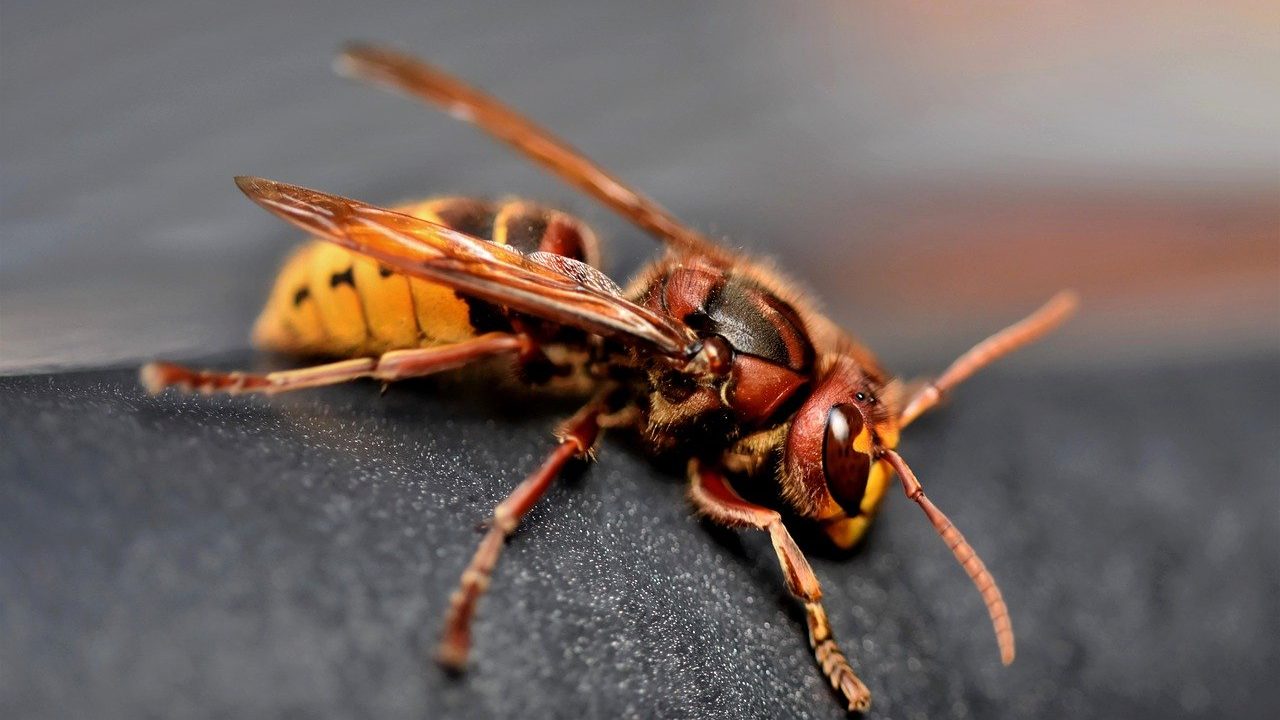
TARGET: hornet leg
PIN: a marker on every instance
(713, 496)
(577, 436)
(391, 366)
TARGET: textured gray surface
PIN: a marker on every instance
(192, 557)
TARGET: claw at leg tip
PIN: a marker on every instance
(452, 657)
(154, 377)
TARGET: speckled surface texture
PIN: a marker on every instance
(190, 557)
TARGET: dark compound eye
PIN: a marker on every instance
(846, 469)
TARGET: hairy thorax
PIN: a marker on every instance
(768, 352)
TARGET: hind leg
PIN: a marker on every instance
(388, 367)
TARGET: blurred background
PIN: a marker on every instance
(929, 172)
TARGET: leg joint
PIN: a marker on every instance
(504, 521)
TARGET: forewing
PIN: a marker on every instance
(407, 74)
(542, 285)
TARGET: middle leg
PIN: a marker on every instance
(577, 436)
(711, 494)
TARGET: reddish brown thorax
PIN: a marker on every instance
(770, 354)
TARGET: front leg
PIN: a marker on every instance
(711, 494)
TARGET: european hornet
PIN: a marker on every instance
(708, 355)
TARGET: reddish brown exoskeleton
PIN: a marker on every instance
(709, 355)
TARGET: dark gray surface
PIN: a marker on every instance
(173, 556)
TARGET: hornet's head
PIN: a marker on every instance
(836, 438)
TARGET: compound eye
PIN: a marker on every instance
(846, 469)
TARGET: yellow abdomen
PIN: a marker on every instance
(332, 302)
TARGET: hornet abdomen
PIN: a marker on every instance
(329, 301)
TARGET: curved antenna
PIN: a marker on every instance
(1025, 331)
(404, 73)
(964, 554)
